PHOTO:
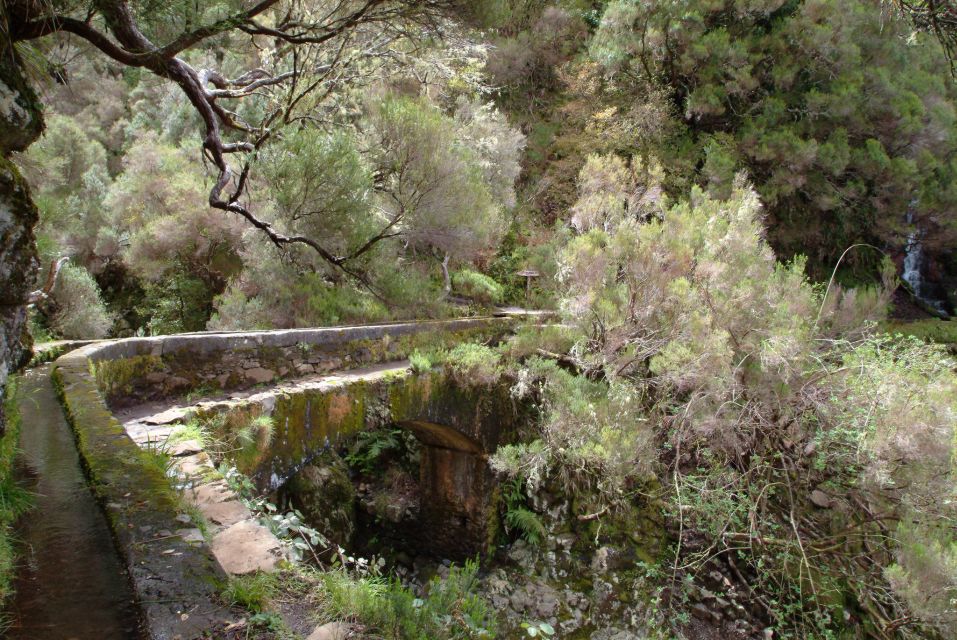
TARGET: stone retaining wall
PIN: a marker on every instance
(136, 369)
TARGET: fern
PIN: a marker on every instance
(372, 446)
(518, 517)
(526, 522)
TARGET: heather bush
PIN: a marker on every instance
(696, 357)
(477, 286)
(78, 309)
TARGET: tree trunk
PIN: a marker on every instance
(21, 122)
(446, 279)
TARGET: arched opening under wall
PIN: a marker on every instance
(403, 491)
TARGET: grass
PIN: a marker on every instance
(192, 430)
(384, 607)
(931, 330)
(254, 593)
(251, 592)
(14, 500)
(391, 611)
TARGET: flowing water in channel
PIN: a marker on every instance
(70, 582)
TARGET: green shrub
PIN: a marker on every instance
(79, 311)
(475, 363)
(420, 362)
(477, 286)
(452, 610)
(708, 370)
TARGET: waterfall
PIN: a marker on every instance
(913, 273)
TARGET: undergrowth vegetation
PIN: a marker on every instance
(14, 500)
(784, 433)
(452, 610)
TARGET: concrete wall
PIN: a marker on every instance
(136, 369)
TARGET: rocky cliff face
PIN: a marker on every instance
(21, 122)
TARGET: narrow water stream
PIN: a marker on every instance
(70, 584)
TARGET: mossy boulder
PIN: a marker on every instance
(325, 496)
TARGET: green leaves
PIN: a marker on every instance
(826, 105)
(538, 629)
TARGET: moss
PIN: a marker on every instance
(13, 499)
(48, 355)
(931, 330)
(116, 377)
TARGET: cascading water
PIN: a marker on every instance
(913, 273)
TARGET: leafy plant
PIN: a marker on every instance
(420, 362)
(373, 446)
(536, 629)
(518, 517)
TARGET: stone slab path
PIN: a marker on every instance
(238, 541)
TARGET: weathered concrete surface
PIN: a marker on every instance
(174, 580)
(136, 369)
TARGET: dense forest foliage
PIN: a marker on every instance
(721, 198)
(841, 116)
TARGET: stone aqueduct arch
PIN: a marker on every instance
(139, 499)
(458, 424)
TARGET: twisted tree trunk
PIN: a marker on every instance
(21, 122)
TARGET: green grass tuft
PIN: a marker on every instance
(14, 500)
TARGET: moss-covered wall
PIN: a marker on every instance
(171, 577)
(458, 424)
(136, 369)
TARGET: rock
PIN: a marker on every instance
(565, 541)
(325, 496)
(701, 612)
(820, 499)
(225, 513)
(185, 448)
(245, 547)
(174, 414)
(610, 559)
(196, 464)
(176, 382)
(260, 375)
(191, 535)
(333, 631)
